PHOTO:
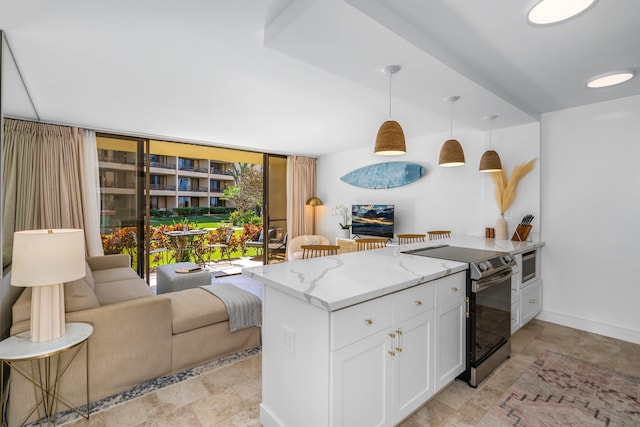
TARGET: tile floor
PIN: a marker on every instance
(230, 396)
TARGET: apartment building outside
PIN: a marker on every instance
(175, 181)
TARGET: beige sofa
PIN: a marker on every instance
(137, 336)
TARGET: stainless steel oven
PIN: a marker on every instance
(490, 323)
(528, 266)
(489, 293)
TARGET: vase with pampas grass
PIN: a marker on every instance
(506, 192)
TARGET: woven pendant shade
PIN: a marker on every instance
(390, 139)
(451, 154)
(490, 162)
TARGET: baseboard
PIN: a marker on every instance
(267, 419)
(591, 326)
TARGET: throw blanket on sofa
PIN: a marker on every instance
(244, 308)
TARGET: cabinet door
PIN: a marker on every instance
(451, 341)
(515, 317)
(530, 302)
(361, 387)
(413, 364)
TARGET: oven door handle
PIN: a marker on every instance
(491, 280)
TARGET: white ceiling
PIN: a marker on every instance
(304, 76)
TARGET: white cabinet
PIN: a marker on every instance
(413, 364)
(370, 364)
(380, 379)
(526, 298)
(361, 383)
(452, 312)
(531, 301)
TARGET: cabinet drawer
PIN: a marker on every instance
(451, 288)
(530, 302)
(413, 301)
(359, 321)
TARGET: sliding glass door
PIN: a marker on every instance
(179, 202)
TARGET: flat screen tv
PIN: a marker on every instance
(372, 220)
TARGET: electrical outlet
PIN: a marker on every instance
(508, 214)
(288, 339)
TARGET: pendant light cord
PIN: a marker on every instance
(390, 73)
(451, 118)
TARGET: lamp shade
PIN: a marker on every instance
(390, 139)
(314, 201)
(47, 257)
(451, 154)
(490, 162)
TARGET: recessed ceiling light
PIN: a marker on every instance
(610, 79)
(550, 11)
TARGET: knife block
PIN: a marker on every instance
(521, 233)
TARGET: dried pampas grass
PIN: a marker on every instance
(506, 188)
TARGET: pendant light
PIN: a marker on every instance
(451, 153)
(390, 138)
(490, 160)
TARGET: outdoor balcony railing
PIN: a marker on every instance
(163, 187)
(192, 169)
(215, 171)
(189, 188)
(128, 160)
(162, 165)
(111, 184)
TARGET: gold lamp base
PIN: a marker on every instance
(47, 312)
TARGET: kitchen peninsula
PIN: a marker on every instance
(363, 338)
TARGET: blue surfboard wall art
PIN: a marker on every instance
(384, 175)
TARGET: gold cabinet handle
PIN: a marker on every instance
(368, 321)
(533, 301)
(398, 349)
(418, 302)
(514, 289)
(392, 335)
(392, 353)
(454, 289)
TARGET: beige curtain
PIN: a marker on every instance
(301, 185)
(43, 180)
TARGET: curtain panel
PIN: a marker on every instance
(43, 181)
(301, 185)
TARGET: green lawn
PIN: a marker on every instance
(213, 221)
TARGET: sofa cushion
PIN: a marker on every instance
(195, 308)
(123, 290)
(78, 295)
(89, 276)
(114, 275)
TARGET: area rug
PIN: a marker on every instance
(154, 385)
(558, 390)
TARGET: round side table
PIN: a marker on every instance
(44, 377)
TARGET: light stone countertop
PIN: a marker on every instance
(335, 282)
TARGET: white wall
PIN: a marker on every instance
(591, 212)
(460, 199)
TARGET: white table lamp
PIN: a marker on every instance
(44, 260)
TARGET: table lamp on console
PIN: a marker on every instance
(44, 260)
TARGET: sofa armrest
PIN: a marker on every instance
(130, 344)
(104, 262)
